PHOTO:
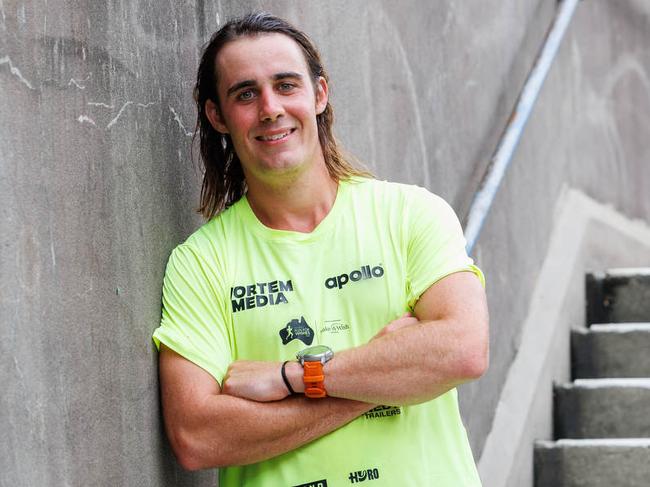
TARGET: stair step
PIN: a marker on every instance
(603, 408)
(593, 463)
(611, 350)
(618, 295)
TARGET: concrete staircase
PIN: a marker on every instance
(602, 418)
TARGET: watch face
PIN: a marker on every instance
(317, 353)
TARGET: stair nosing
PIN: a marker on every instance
(607, 382)
(619, 327)
(574, 442)
(627, 272)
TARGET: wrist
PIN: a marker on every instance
(294, 376)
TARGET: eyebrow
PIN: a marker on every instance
(239, 86)
(249, 82)
(287, 74)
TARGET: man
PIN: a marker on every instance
(367, 281)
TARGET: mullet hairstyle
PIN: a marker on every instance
(223, 178)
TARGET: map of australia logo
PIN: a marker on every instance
(297, 329)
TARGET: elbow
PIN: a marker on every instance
(475, 358)
(184, 450)
(474, 362)
(191, 456)
(188, 461)
(475, 367)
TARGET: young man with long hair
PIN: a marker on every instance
(315, 328)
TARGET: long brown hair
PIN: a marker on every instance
(223, 178)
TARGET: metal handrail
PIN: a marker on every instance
(502, 157)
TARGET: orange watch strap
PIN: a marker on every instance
(314, 380)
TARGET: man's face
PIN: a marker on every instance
(268, 105)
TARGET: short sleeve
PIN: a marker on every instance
(194, 322)
(435, 243)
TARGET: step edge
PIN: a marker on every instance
(593, 442)
(615, 328)
(626, 272)
(606, 383)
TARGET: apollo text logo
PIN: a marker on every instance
(365, 272)
(259, 294)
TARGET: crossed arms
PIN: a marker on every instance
(250, 418)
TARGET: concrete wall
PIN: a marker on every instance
(97, 185)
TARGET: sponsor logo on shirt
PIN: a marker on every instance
(260, 294)
(334, 327)
(363, 475)
(383, 412)
(297, 329)
(361, 274)
(315, 483)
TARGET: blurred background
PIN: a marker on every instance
(97, 185)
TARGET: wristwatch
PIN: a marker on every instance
(312, 360)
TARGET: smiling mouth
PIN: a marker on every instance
(272, 138)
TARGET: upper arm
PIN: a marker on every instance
(183, 380)
(184, 388)
(435, 245)
(193, 338)
(459, 299)
(457, 296)
(195, 318)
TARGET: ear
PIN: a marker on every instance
(322, 95)
(214, 116)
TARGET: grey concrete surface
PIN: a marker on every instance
(586, 235)
(593, 463)
(619, 296)
(618, 350)
(603, 408)
(97, 185)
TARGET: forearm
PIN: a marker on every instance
(408, 366)
(411, 360)
(416, 363)
(227, 430)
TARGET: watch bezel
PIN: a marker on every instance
(317, 353)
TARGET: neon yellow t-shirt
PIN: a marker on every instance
(239, 290)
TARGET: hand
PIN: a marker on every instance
(257, 381)
(407, 319)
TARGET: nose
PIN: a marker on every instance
(270, 106)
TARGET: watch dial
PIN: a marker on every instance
(316, 350)
(315, 354)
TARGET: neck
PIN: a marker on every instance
(294, 203)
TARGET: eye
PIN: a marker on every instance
(286, 86)
(245, 95)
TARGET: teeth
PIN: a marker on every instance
(275, 137)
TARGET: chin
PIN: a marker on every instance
(283, 165)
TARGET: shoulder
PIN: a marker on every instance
(208, 245)
(370, 187)
(220, 229)
(407, 197)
